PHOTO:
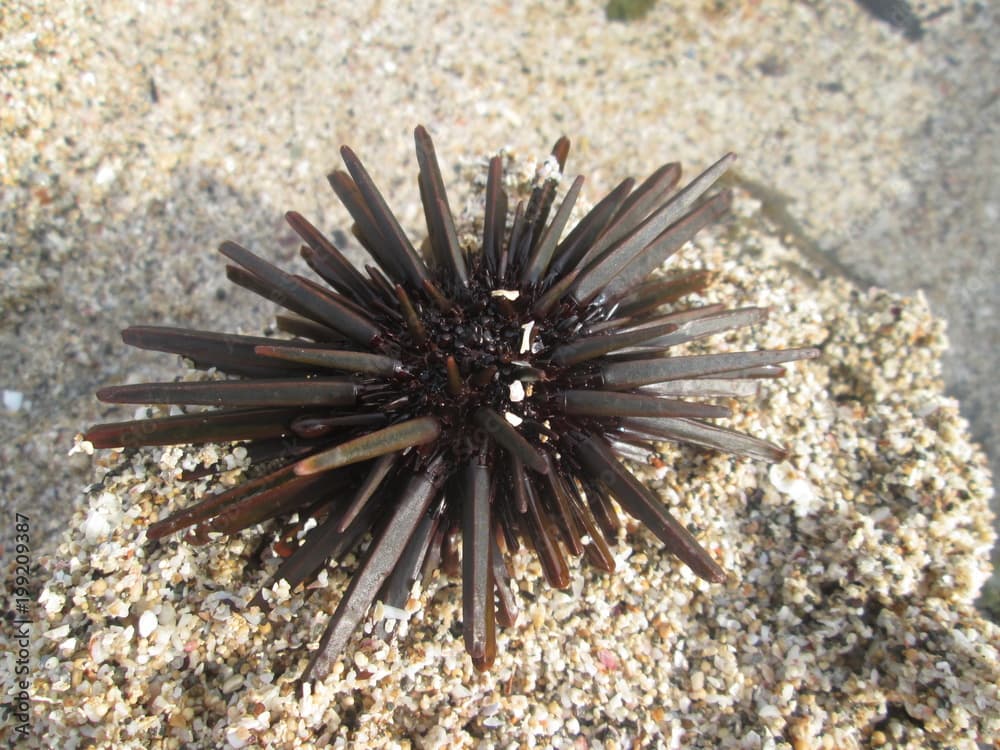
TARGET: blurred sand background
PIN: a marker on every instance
(137, 136)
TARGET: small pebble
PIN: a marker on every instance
(147, 624)
(12, 400)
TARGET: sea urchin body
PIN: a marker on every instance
(458, 401)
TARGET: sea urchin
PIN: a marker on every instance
(459, 401)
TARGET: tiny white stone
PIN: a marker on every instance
(798, 489)
(51, 601)
(103, 514)
(147, 624)
(96, 526)
(57, 633)
(105, 175)
(549, 169)
(513, 418)
(94, 709)
(238, 736)
(697, 680)
(98, 649)
(12, 400)
(769, 712)
(394, 613)
(516, 391)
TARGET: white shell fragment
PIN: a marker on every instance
(394, 613)
(516, 391)
(102, 516)
(12, 400)
(526, 336)
(511, 294)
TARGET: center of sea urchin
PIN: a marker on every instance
(489, 352)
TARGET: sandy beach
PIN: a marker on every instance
(137, 138)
